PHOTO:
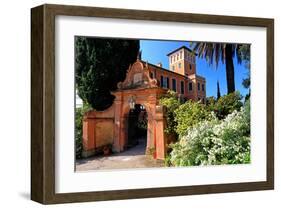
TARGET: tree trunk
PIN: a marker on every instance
(229, 69)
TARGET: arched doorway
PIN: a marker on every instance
(137, 128)
(115, 126)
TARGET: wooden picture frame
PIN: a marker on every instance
(43, 103)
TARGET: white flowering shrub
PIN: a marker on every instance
(215, 142)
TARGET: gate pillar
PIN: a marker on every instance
(118, 123)
(160, 136)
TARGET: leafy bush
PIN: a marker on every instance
(171, 102)
(79, 113)
(188, 114)
(211, 103)
(182, 116)
(227, 104)
(215, 142)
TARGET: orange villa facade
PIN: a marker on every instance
(143, 86)
(181, 76)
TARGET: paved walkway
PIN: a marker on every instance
(132, 158)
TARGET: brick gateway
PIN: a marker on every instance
(111, 126)
(145, 83)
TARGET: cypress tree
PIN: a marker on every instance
(99, 65)
(218, 90)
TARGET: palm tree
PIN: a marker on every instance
(215, 52)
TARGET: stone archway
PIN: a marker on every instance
(137, 128)
(110, 126)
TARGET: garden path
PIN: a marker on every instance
(131, 158)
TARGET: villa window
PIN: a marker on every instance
(165, 82)
(173, 68)
(168, 82)
(203, 87)
(182, 87)
(174, 85)
(161, 81)
(151, 74)
(179, 65)
(198, 85)
(190, 67)
(190, 86)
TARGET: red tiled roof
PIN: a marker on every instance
(182, 47)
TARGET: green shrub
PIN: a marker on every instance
(227, 104)
(211, 103)
(171, 102)
(79, 113)
(215, 142)
(188, 114)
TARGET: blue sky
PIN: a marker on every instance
(156, 51)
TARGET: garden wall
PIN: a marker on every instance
(98, 130)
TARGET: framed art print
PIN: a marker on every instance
(135, 104)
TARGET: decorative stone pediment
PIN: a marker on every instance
(137, 77)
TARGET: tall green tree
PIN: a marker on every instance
(99, 65)
(215, 52)
(218, 90)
